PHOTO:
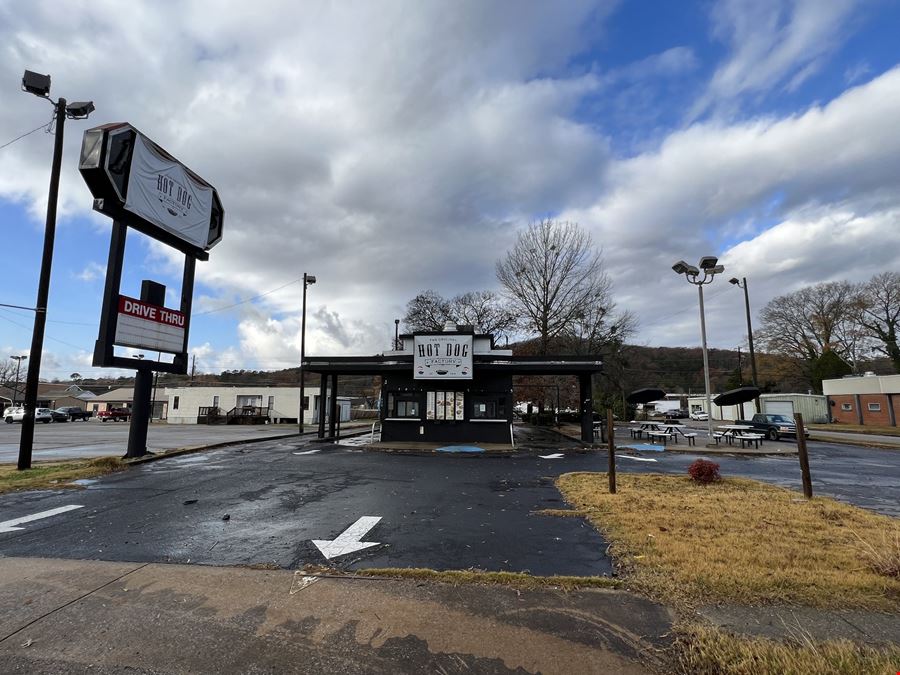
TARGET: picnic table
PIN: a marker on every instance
(742, 433)
(661, 431)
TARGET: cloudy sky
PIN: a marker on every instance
(391, 147)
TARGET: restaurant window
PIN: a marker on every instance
(445, 405)
(271, 403)
(488, 407)
(215, 401)
(175, 403)
(874, 407)
(306, 402)
(403, 405)
(846, 407)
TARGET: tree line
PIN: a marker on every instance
(832, 329)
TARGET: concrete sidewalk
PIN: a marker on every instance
(66, 616)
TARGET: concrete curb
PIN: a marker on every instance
(190, 449)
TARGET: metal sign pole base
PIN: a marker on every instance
(140, 417)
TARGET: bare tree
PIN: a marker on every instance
(552, 276)
(806, 324)
(427, 311)
(485, 310)
(878, 313)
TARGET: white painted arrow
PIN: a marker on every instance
(555, 455)
(636, 459)
(307, 452)
(349, 540)
(10, 525)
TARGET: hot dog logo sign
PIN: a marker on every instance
(442, 357)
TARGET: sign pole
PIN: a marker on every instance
(611, 441)
(804, 457)
(153, 293)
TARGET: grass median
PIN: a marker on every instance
(55, 474)
(740, 541)
(747, 543)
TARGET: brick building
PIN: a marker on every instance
(869, 400)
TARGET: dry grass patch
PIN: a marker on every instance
(736, 541)
(55, 474)
(707, 651)
(512, 579)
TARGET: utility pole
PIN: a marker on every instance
(26, 440)
(193, 368)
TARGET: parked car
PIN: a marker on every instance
(676, 414)
(114, 414)
(73, 413)
(17, 414)
(58, 416)
(773, 425)
(13, 414)
(700, 415)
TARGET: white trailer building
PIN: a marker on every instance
(277, 404)
(813, 407)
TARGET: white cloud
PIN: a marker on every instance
(389, 151)
(774, 45)
(91, 272)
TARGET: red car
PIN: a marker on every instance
(114, 414)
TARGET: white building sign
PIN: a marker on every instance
(145, 326)
(161, 192)
(442, 357)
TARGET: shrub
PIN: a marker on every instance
(704, 471)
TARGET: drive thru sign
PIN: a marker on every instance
(145, 326)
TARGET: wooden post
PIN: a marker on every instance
(611, 441)
(804, 457)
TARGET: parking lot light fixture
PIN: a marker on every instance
(308, 280)
(742, 283)
(710, 267)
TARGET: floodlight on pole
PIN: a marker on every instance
(742, 283)
(39, 85)
(308, 280)
(710, 267)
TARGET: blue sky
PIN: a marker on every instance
(389, 150)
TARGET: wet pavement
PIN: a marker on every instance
(441, 513)
(73, 440)
(268, 503)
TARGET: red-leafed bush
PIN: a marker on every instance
(704, 471)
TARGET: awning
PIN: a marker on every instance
(646, 395)
(737, 396)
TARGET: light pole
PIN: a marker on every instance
(396, 335)
(39, 85)
(18, 360)
(308, 280)
(708, 264)
(742, 283)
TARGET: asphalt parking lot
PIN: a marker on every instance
(288, 503)
(70, 440)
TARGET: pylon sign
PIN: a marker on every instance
(139, 184)
(136, 181)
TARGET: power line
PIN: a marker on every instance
(46, 125)
(244, 302)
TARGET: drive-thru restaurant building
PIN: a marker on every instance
(451, 386)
